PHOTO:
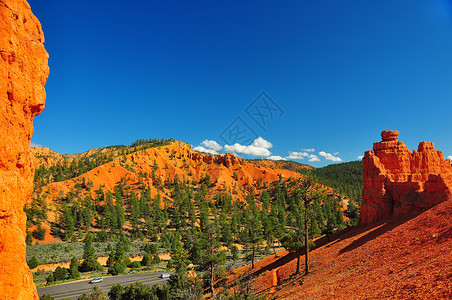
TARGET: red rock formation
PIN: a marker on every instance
(397, 181)
(228, 160)
(23, 73)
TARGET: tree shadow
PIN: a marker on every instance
(273, 265)
(375, 230)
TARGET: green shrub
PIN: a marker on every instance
(68, 248)
(156, 260)
(33, 262)
(90, 264)
(117, 269)
(147, 260)
(29, 238)
(83, 296)
(116, 292)
(135, 265)
(96, 293)
(59, 273)
(138, 290)
(39, 233)
(150, 248)
(50, 278)
(126, 261)
(73, 269)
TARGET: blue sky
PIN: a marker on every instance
(333, 74)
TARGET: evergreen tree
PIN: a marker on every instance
(33, 262)
(252, 233)
(212, 255)
(89, 263)
(73, 268)
(88, 249)
(303, 219)
(59, 273)
(67, 222)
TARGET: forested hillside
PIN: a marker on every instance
(345, 178)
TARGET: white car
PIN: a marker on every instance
(165, 275)
(96, 280)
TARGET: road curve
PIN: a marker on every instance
(73, 290)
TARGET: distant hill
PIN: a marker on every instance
(346, 178)
(281, 164)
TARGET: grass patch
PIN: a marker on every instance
(63, 252)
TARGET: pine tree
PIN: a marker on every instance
(212, 255)
(88, 249)
(302, 200)
(252, 235)
(33, 262)
(73, 268)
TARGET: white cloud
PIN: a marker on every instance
(297, 155)
(449, 157)
(258, 148)
(329, 156)
(275, 157)
(212, 145)
(261, 143)
(205, 150)
(336, 153)
(251, 150)
(35, 145)
(313, 158)
(308, 150)
(360, 157)
(303, 155)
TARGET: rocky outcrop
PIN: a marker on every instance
(397, 181)
(23, 73)
(228, 160)
(46, 157)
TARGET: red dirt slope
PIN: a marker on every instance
(399, 258)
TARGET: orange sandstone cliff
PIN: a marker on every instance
(23, 73)
(397, 181)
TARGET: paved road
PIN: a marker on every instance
(72, 290)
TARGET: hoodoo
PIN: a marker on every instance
(397, 181)
(23, 73)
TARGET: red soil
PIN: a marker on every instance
(403, 258)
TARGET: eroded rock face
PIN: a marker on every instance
(228, 160)
(397, 181)
(23, 73)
